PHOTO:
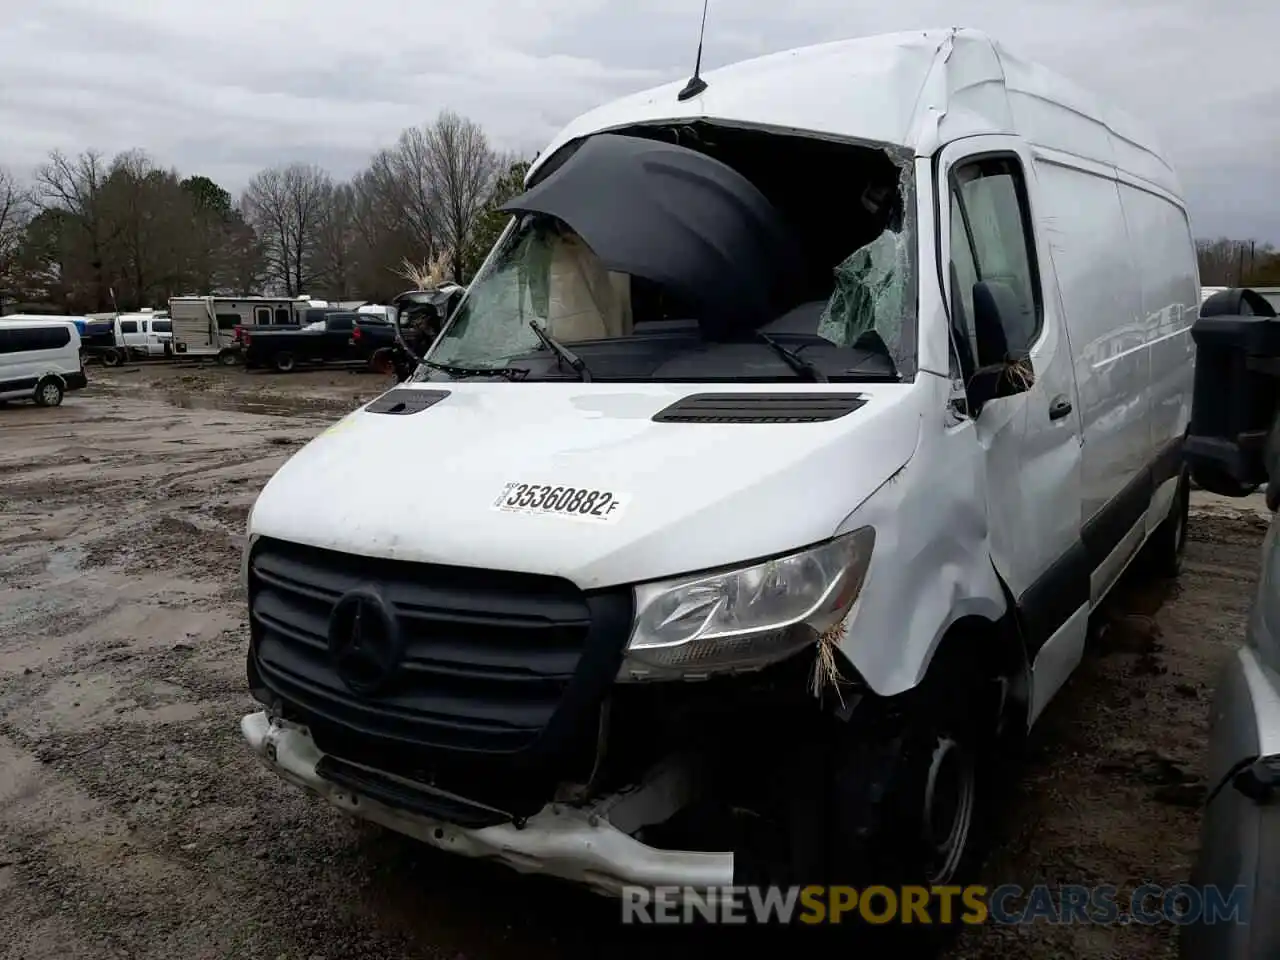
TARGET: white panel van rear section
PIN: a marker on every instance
(829, 564)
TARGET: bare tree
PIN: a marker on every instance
(243, 261)
(334, 254)
(285, 206)
(15, 214)
(403, 175)
(461, 168)
(74, 186)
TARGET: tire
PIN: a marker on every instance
(112, 358)
(911, 794)
(1165, 548)
(283, 362)
(228, 358)
(48, 392)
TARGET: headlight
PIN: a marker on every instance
(748, 617)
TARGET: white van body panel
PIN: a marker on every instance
(923, 89)
(954, 500)
(1100, 295)
(65, 318)
(21, 370)
(932, 561)
(693, 497)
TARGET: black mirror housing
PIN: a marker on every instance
(1004, 370)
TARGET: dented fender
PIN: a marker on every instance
(932, 560)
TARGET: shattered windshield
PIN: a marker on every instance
(675, 294)
(541, 272)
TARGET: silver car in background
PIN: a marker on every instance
(1240, 832)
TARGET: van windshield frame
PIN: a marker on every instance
(874, 289)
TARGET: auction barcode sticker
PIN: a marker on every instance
(560, 500)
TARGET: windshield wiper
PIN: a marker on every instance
(561, 351)
(796, 362)
(507, 373)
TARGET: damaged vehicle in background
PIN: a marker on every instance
(766, 477)
(418, 316)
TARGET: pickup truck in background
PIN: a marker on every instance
(127, 337)
(340, 337)
(304, 318)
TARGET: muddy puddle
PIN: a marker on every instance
(281, 407)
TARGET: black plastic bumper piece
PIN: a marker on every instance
(413, 798)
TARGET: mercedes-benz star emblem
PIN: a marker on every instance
(365, 641)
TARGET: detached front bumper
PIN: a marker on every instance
(559, 841)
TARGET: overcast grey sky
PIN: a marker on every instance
(225, 87)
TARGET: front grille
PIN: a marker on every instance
(495, 666)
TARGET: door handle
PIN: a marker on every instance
(1059, 408)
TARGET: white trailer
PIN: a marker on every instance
(205, 326)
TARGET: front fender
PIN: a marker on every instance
(932, 560)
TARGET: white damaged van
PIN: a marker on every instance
(763, 481)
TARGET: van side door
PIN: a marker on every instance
(1119, 257)
(1007, 322)
(1164, 255)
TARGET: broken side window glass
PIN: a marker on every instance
(875, 288)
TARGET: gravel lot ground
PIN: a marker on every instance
(134, 824)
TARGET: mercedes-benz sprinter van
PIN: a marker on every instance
(763, 482)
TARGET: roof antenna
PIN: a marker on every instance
(696, 84)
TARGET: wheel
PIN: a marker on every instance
(112, 358)
(48, 392)
(910, 792)
(228, 358)
(284, 362)
(1167, 544)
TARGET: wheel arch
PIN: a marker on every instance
(44, 378)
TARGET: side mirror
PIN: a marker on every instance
(1003, 370)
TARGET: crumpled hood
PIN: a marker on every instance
(422, 486)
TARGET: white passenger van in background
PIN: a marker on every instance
(39, 360)
(764, 481)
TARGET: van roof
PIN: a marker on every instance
(42, 321)
(52, 318)
(915, 90)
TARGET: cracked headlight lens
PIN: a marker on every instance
(746, 617)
